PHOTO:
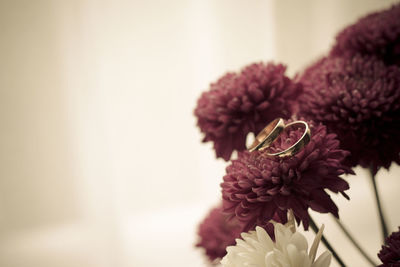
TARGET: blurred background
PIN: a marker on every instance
(101, 161)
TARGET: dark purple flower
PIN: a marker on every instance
(376, 34)
(358, 99)
(390, 252)
(216, 232)
(257, 187)
(240, 103)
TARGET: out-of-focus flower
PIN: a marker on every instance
(358, 99)
(256, 248)
(240, 103)
(216, 232)
(256, 186)
(376, 34)
(390, 252)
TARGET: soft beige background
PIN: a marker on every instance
(101, 162)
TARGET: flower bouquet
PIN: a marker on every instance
(311, 130)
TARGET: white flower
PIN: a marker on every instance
(257, 249)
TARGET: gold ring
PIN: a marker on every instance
(267, 135)
(300, 144)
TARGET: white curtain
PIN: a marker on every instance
(101, 161)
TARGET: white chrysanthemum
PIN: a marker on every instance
(257, 249)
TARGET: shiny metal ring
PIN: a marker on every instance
(267, 135)
(299, 145)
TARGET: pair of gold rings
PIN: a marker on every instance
(271, 132)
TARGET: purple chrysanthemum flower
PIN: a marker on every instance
(257, 186)
(216, 232)
(359, 100)
(377, 34)
(240, 103)
(390, 252)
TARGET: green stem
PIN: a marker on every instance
(379, 206)
(354, 242)
(326, 243)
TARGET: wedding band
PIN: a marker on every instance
(296, 147)
(267, 135)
